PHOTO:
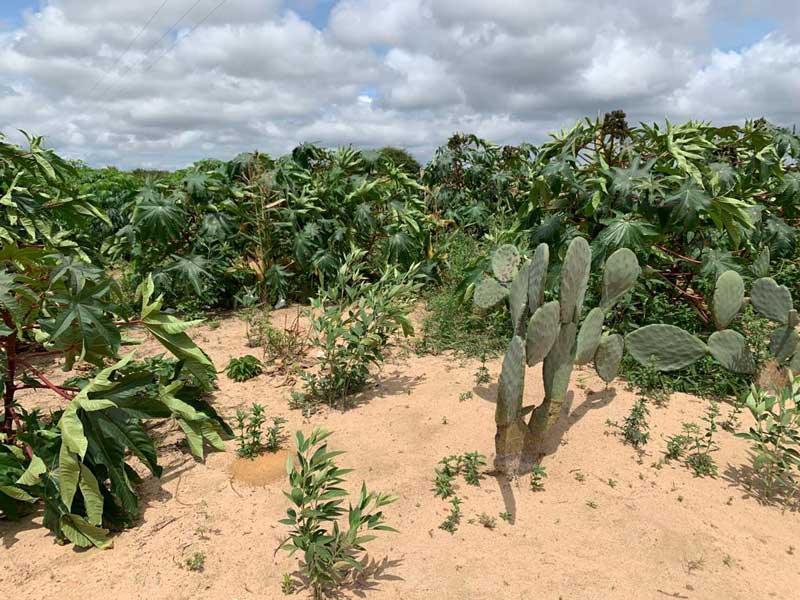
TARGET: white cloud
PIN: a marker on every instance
(406, 72)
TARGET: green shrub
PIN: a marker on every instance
(329, 537)
(244, 368)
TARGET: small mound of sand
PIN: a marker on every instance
(261, 470)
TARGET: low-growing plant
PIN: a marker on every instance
(330, 538)
(775, 436)
(450, 524)
(464, 396)
(634, 428)
(471, 464)
(538, 475)
(487, 521)
(288, 585)
(196, 562)
(244, 368)
(251, 438)
(506, 516)
(482, 375)
(695, 445)
(443, 483)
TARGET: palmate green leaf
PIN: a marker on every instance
(625, 231)
(688, 202)
(730, 214)
(195, 183)
(82, 324)
(157, 217)
(191, 270)
(716, 262)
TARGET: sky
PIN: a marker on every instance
(162, 83)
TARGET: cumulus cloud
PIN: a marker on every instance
(264, 74)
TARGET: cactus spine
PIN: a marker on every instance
(549, 333)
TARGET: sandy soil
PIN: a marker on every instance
(607, 525)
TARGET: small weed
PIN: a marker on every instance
(592, 504)
(487, 521)
(506, 516)
(251, 435)
(196, 562)
(464, 396)
(450, 524)
(303, 402)
(538, 475)
(695, 565)
(482, 375)
(634, 428)
(288, 585)
(443, 483)
(680, 498)
(580, 476)
(612, 483)
(244, 368)
(470, 467)
(444, 420)
(695, 446)
(727, 560)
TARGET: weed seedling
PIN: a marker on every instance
(695, 446)
(450, 524)
(487, 521)
(250, 425)
(634, 428)
(538, 475)
(196, 562)
(592, 504)
(482, 375)
(506, 516)
(464, 396)
(287, 585)
(443, 483)
(471, 465)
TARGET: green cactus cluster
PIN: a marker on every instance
(669, 348)
(549, 333)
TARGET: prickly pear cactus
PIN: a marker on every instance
(668, 348)
(550, 333)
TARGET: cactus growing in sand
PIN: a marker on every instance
(548, 332)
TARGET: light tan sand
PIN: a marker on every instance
(655, 534)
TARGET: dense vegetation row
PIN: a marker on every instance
(361, 236)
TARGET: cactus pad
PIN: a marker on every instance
(730, 349)
(543, 329)
(609, 356)
(589, 336)
(558, 363)
(666, 347)
(760, 266)
(518, 299)
(783, 342)
(574, 279)
(511, 383)
(620, 274)
(537, 278)
(489, 293)
(771, 300)
(728, 298)
(505, 262)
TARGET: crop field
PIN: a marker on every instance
(568, 370)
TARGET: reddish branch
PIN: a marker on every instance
(676, 255)
(63, 392)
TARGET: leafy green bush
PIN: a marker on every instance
(775, 437)
(352, 335)
(56, 302)
(329, 537)
(244, 368)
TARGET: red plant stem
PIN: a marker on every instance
(11, 371)
(57, 389)
(676, 255)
